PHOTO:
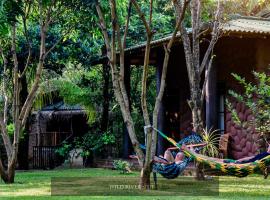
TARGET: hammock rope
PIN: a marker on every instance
(232, 169)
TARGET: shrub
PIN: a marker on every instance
(256, 97)
(211, 138)
(122, 166)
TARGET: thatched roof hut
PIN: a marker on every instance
(54, 124)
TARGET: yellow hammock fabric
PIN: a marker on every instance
(232, 169)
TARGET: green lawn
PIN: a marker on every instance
(36, 185)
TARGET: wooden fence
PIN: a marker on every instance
(45, 157)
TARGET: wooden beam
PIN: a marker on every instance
(211, 99)
(161, 112)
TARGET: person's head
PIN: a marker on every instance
(179, 157)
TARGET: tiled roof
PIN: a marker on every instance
(238, 25)
(247, 25)
(252, 25)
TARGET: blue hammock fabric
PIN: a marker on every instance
(173, 170)
(193, 138)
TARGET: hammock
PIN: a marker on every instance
(173, 170)
(232, 169)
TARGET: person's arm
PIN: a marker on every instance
(189, 146)
(197, 145)
(172, 148)
(160, 160)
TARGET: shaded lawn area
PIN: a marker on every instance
(37, 185)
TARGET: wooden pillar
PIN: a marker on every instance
(105, 92)
(211, 99)
(127, 146)
(161, 112)
(106, 97)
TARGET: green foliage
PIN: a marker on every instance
(211, 139)
(90, 142)
(10, 129)
(256, 97)
(107, 138)
(96, 141)
(64, 150)
(10, 10)
(76, 85)
(234, 114)
(68, 150)
(122, 166)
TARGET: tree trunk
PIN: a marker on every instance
(145, 177)
(8, 175)
(199, 172)
(197, 119)
(196, 105)
(198, 128)
(196, 108)
(11, 173)
(3, 172)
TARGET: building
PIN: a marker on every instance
(49, 128)
(243, 47)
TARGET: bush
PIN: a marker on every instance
(256, 97)
(122, 166)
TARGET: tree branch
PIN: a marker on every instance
(167, 50)
(186, 43)
(207, 76)
(127, 24)
(111, 54)
(150, 14)
(26, 108)
(24, 19)
(214, 39)
(116, 30)
(103, 27)
(147, 27)
(5, 138)
(4, 86)
(16, 89)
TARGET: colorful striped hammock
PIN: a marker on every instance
(232, 169)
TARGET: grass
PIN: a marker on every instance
(37, 185)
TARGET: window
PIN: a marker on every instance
(221, 114)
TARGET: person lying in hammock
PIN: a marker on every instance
(169, 158)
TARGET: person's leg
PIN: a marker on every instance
(168, 156)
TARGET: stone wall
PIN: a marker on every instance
(243, 141)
